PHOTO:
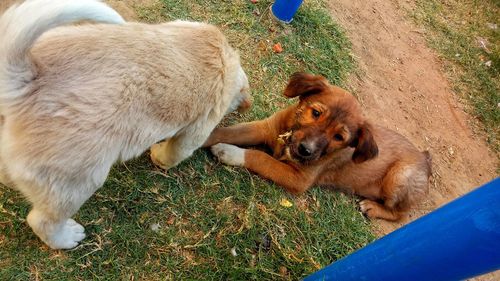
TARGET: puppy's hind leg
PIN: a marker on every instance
(402, 187)
(376, 210)
(395, 202)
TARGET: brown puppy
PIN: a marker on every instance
(325, 140)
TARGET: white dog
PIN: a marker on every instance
(77, 99)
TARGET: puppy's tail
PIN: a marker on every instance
(20, 27)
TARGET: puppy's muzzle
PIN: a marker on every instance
(308, 149)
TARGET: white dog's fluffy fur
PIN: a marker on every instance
(79, 98)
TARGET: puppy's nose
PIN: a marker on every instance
(304, 150)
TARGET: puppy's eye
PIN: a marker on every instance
(338, 137)
(316, 113)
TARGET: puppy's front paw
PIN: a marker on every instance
(229, 154)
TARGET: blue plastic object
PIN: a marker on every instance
(284, 10)
(457, 241)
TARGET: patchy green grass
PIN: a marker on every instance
(467, 36)
(183, 224)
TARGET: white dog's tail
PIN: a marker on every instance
(20, 27)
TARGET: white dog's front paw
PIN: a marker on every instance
(68, 236)
(229, 154)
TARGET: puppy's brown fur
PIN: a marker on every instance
(330, 143)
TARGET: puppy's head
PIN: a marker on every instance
(241, 100)
(327, 119)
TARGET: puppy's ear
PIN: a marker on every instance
(303, 84)
(366, 147)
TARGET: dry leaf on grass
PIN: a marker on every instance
(285, 203)
(277, 48)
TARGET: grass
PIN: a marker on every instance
(464, 34)
(183, 224)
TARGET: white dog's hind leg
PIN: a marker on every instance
(58, 234)
(56, 201)
(52, 210)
